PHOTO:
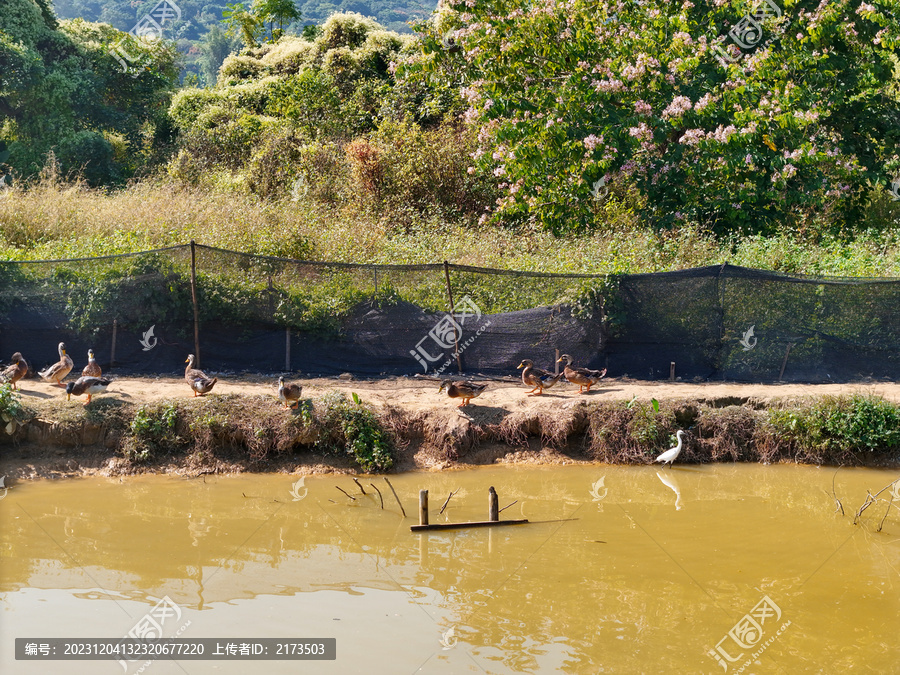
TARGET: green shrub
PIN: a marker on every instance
(351, 426)
(152, 429)
(834, 428)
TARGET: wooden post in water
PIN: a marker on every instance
(556, 363)
(112, 350)
(423, 507)
(194, 301)
(672, 371)
(493, 505)
(450, 297)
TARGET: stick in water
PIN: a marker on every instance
(345, 492)
(358, 485)
(379, 494)
(506, 507)
(447, 502)
(402, 510)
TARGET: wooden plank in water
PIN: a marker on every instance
(456, 526)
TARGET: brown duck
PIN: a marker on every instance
(462, 389)
(583, 377)
(537, 378)
(91, 369)
(15, 372)
(289, 394)
(199, 381)
(60, 369)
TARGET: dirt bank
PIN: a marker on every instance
(243, 427)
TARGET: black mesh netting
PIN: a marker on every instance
(264, 314)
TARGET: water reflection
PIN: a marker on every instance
(671, 482)
(624, 587)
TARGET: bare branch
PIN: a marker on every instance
(505, 507)
(345, 492)
(379, 494)
(448, 501)
(358, 485)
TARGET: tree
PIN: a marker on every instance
(276, 11)
(216, 46)
(732, 116)
(63, 91)
(242, 23)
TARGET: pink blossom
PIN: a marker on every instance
(592, 142)
(641, 132)
(692, 137)
(704, 101)
(722, 134)
(642, 108)
(678, 106)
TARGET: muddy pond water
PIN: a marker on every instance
(690, 569)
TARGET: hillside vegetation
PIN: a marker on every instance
(627, 147)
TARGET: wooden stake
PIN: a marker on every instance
(402, 510)
(379, 494)
(423, 507)
(672, 371)
(493, 506)
(450, 297)
(194, 300)
(112, 351)
(784, 363)
(287, 349)
(358, 485)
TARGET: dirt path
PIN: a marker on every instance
(415, 394)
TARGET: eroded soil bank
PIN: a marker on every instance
(155, 425)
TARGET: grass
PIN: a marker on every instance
(53, 220)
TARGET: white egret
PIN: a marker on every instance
(670, 455)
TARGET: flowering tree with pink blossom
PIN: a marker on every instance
(658, 100)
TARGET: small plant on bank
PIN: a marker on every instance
(152, 428)
(12, 411)
(351, 426)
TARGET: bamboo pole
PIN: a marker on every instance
(450, 297)
(423, 507)
(194, 300)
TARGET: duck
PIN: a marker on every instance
(583, 377)
(199, 381)
(462, 389)
(289, 394)
(15, 372)
(91, 369)
(537, 378)
(60, 369)
(87, 385)
(670, 455)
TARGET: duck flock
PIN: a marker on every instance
(92, 382)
